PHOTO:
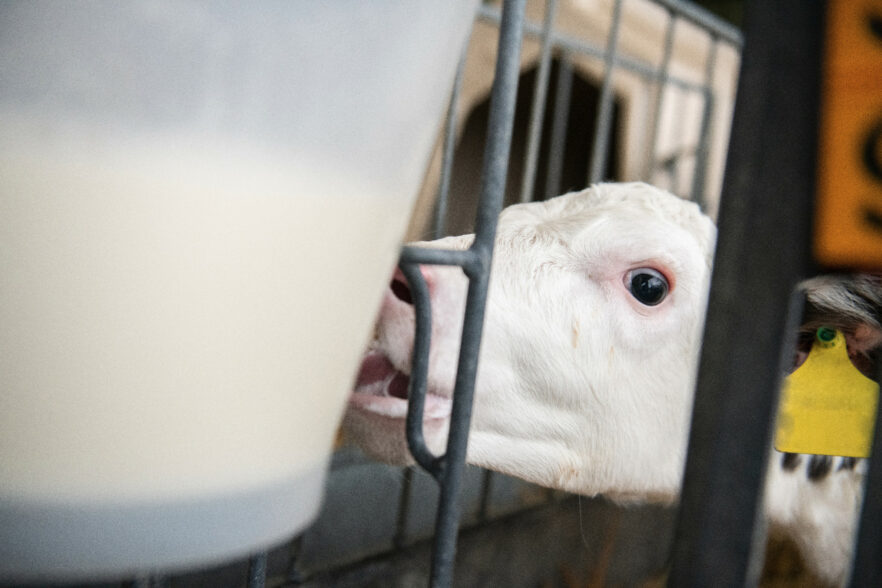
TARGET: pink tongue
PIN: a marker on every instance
(374, 368)
(398, 386)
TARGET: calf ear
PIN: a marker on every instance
(851, 303)
(865, 339)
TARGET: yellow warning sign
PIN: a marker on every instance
(848, 219)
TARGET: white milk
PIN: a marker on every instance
(173, 308)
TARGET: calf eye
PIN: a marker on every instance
(647, 285)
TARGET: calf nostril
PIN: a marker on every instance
(401, 291)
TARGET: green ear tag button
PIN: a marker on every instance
(827, 406)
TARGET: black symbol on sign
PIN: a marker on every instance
(872, 153)
(871, 157)
(875, 22)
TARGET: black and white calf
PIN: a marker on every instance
(589, 357)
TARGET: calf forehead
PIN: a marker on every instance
(638, 219)
(623, 203)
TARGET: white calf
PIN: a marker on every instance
(588, 361)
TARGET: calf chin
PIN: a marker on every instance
(384, 439)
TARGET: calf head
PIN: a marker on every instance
(590, 345)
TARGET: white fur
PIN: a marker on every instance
(581, 387)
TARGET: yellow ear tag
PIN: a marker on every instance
(827, 406)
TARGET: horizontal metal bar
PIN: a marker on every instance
(464, 258)
(574, 45)
(706, 20)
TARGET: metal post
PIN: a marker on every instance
(257, 571)
(660, 86)
(448, 468)
(563, 93)
(537, 111)
(762, 252)
(603, 129)
(440, 227)
(868, 552)
(400, 537)
(702, 151)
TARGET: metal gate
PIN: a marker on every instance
(767, 195)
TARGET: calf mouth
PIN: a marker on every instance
(382, 389)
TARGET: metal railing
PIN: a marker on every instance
(448, 468)
(476, 261)
(763, 251)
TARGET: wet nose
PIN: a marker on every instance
(401, 289)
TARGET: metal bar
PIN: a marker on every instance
(660, 85)
(495, 167)
(466, 258)
(486, 493)
(440, 225)
(762, 252)
(579, 46)
(537, 110)
(151, 581)
(702, 152)
(563, 94)
(257, 571)
(499, 130)
(867, 570)
(603, 127)
(292, 574)
(400, 538)
(416, 396)
(704, 19)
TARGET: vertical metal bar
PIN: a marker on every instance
(150, 581)
(400, 537)
(440, 225)
(762, 252)
(499, 131)
(448, 469)
(605, 109)
(867, 569)
(257, 571)
(293, 575)
(419, 370)
(562, 94)
(702, 151)
(537, 111)
(486, 492)
(660, 85)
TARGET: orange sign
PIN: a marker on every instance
(848, 219)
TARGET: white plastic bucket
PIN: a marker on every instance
(200, 205)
